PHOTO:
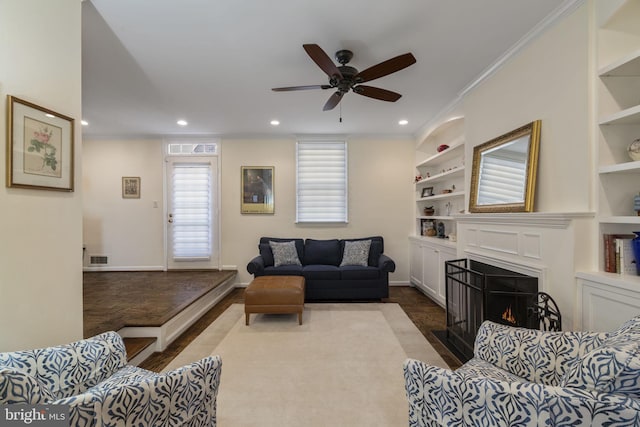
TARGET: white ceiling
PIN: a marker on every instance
(148, 63)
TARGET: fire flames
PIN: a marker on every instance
(508, 316)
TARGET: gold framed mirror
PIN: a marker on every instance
(503, 176)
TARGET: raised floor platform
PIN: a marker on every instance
(157, 305)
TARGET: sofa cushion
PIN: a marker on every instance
(284, 253)
(321, 272)
(284, 270)
(356, 253)
(357, 272)
(318, 252)
(266, 254)
(375, 250)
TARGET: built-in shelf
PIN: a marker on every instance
(444, 156)
(435, 240)
(438, 217)
(442, 196)
(620, 220)
(441, 176)
(628, 167)
(628, 65)
(623, 281)
(628, 116)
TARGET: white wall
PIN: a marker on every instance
(40, 253)
(549, 81)
(128, 231)
(380, 200)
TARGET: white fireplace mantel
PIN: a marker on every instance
(541, 244)
(531, 219)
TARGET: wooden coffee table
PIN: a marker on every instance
(274, 295)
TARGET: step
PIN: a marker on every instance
(138, 349)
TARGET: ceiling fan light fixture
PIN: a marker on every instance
(275, 122)
(403, 122)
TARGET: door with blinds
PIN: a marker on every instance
(192, 214)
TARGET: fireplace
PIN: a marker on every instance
(476, 292)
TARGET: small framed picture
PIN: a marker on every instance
(39, 147)
(130, 187)
(427, 191)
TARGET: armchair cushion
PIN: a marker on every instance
(17, 387)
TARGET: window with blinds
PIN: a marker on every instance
(503, 178)
(191, 211)
(321, 181)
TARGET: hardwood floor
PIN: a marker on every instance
(424, 313)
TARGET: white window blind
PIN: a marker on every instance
(321, 171)
(191, 211)
(503, 179)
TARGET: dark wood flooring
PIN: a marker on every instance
(113, 300)
(425, 314)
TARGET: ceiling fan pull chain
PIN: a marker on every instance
(340, 113)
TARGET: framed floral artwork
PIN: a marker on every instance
(39, 147)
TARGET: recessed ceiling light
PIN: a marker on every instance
(403, 122)
(84, 123)
(275, 122)
(182, 122)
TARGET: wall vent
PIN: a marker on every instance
(99, 260)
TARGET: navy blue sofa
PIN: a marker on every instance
(325, 279)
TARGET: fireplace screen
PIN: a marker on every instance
(476, 292)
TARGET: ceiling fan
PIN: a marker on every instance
(345, 78)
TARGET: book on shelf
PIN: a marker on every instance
(618, 254)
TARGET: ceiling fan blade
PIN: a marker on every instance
(285, 89)
(387, 67)
(377, 93)
(333, 101)
(322, 59)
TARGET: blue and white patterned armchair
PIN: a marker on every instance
(525, 377)
(92, 377)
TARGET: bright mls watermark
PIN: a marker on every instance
(34, 415)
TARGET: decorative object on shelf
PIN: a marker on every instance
(636, 204)
(427, 191)
(441, 230)
(428, 227)
(39, 147)
(448, 207)
(428, 211)
(635, 244)
(453, 237)
(634, 150)
(442, 147)
(520, 147)
(418, 178)
(447, 191)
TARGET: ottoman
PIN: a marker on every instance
(274, 295)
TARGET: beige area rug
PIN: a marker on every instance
(341, 367)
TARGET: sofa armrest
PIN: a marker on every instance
(386, 264)
(537, 356)
(184, 396)
(256, 266)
